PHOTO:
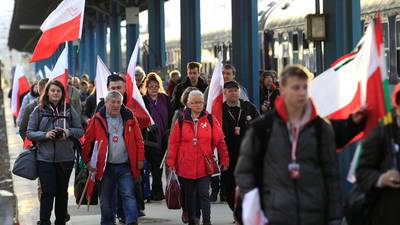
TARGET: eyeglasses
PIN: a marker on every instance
(197, 103)
(153, 86)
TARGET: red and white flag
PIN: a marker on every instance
(20, 87)
(62, 25)
(356, 79)
(216, 91)
(60, 71)
(135, 100)
(102, 72)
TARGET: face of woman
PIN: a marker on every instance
(55, 94)
(196, 104)
(153, 88)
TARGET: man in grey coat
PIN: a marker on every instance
(292, 161)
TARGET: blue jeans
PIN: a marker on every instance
(117, 176)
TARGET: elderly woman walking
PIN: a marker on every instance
(191, 147)
(52, 128)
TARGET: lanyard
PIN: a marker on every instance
(294, 142)
(236, 120)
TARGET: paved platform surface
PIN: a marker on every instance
(28, 204)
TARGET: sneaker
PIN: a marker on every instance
(185, 217)
(213, 197)
(141, 213)
(67, 217)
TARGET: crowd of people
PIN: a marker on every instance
(283, 148)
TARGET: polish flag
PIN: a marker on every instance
(135, 100)
(20, 87)
(62, 25)
(356, 79)
(47, 71)
(216, 94)
(102, 72)
(60, 71)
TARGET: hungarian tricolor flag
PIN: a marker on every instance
(216, 94)
(135, 100)
(102, 72)
(20, 87)
(62, 25)
(356, 79)
(60, 71)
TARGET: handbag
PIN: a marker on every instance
(211, 164)
(173, 192)
(26, 164)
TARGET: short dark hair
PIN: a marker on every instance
(231, 84)
(268, 73)
(230, 67)
(114, 77)
(44, 99)
(194, 65)
(295, 70)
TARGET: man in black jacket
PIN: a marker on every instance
(236, 116)
(193, 80)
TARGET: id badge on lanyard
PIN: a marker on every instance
(294, 167)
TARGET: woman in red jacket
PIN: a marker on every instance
(192, 139)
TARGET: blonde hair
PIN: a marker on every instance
(152, 77)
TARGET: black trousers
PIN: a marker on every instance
(197, 191)
(54, 179)
(229, 185)
(154, 157)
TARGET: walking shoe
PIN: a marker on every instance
(213, 196)
(184, 217)
(141, 213)
(67, 217)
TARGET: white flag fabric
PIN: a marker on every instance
(102, 72)
(47, 72)
(252, 213)
(20, 87)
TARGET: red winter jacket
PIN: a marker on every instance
(97, 129)
(187, 158)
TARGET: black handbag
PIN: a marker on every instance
(150, 137)
(26, 164)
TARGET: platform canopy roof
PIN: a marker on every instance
(28, 15)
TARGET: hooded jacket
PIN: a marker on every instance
(187, 158)
(312, 199)
(97, 130)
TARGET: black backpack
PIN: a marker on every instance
(263, 130)
(180, 122)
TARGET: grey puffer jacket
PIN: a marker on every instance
(42, 120)
(314, 199)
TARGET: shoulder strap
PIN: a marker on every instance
(180, 123)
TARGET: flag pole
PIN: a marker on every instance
(65, 114)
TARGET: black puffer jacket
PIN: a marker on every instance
(314, 199)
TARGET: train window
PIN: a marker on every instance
(305, 42)
(386, 34)
(398, 34)
(295, 42)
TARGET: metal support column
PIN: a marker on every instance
(245, 52)
(156, 35)
(71, 57)
(82, 53)
(318, 44)
(333, 46)
(190, 32)
(92, 52)
(132, 31)
(115, 39)
(101, 34)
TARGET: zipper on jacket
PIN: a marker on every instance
(296, 191)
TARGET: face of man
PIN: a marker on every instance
(232, 94)
(138, 80)
(117, 86)
(228, 75)
(268, 81)
(90, 88)
(113, 106)
(193, 74)
(175, 77)
(295, 92)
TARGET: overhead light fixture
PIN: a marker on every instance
(315, 27)
(29, 27)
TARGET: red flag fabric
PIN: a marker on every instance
(60, 71)
(20, 87)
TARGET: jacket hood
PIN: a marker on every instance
(283, 114)
(187, 113)
(395, 92)
(125, 113)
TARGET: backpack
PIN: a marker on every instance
(263, 130)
